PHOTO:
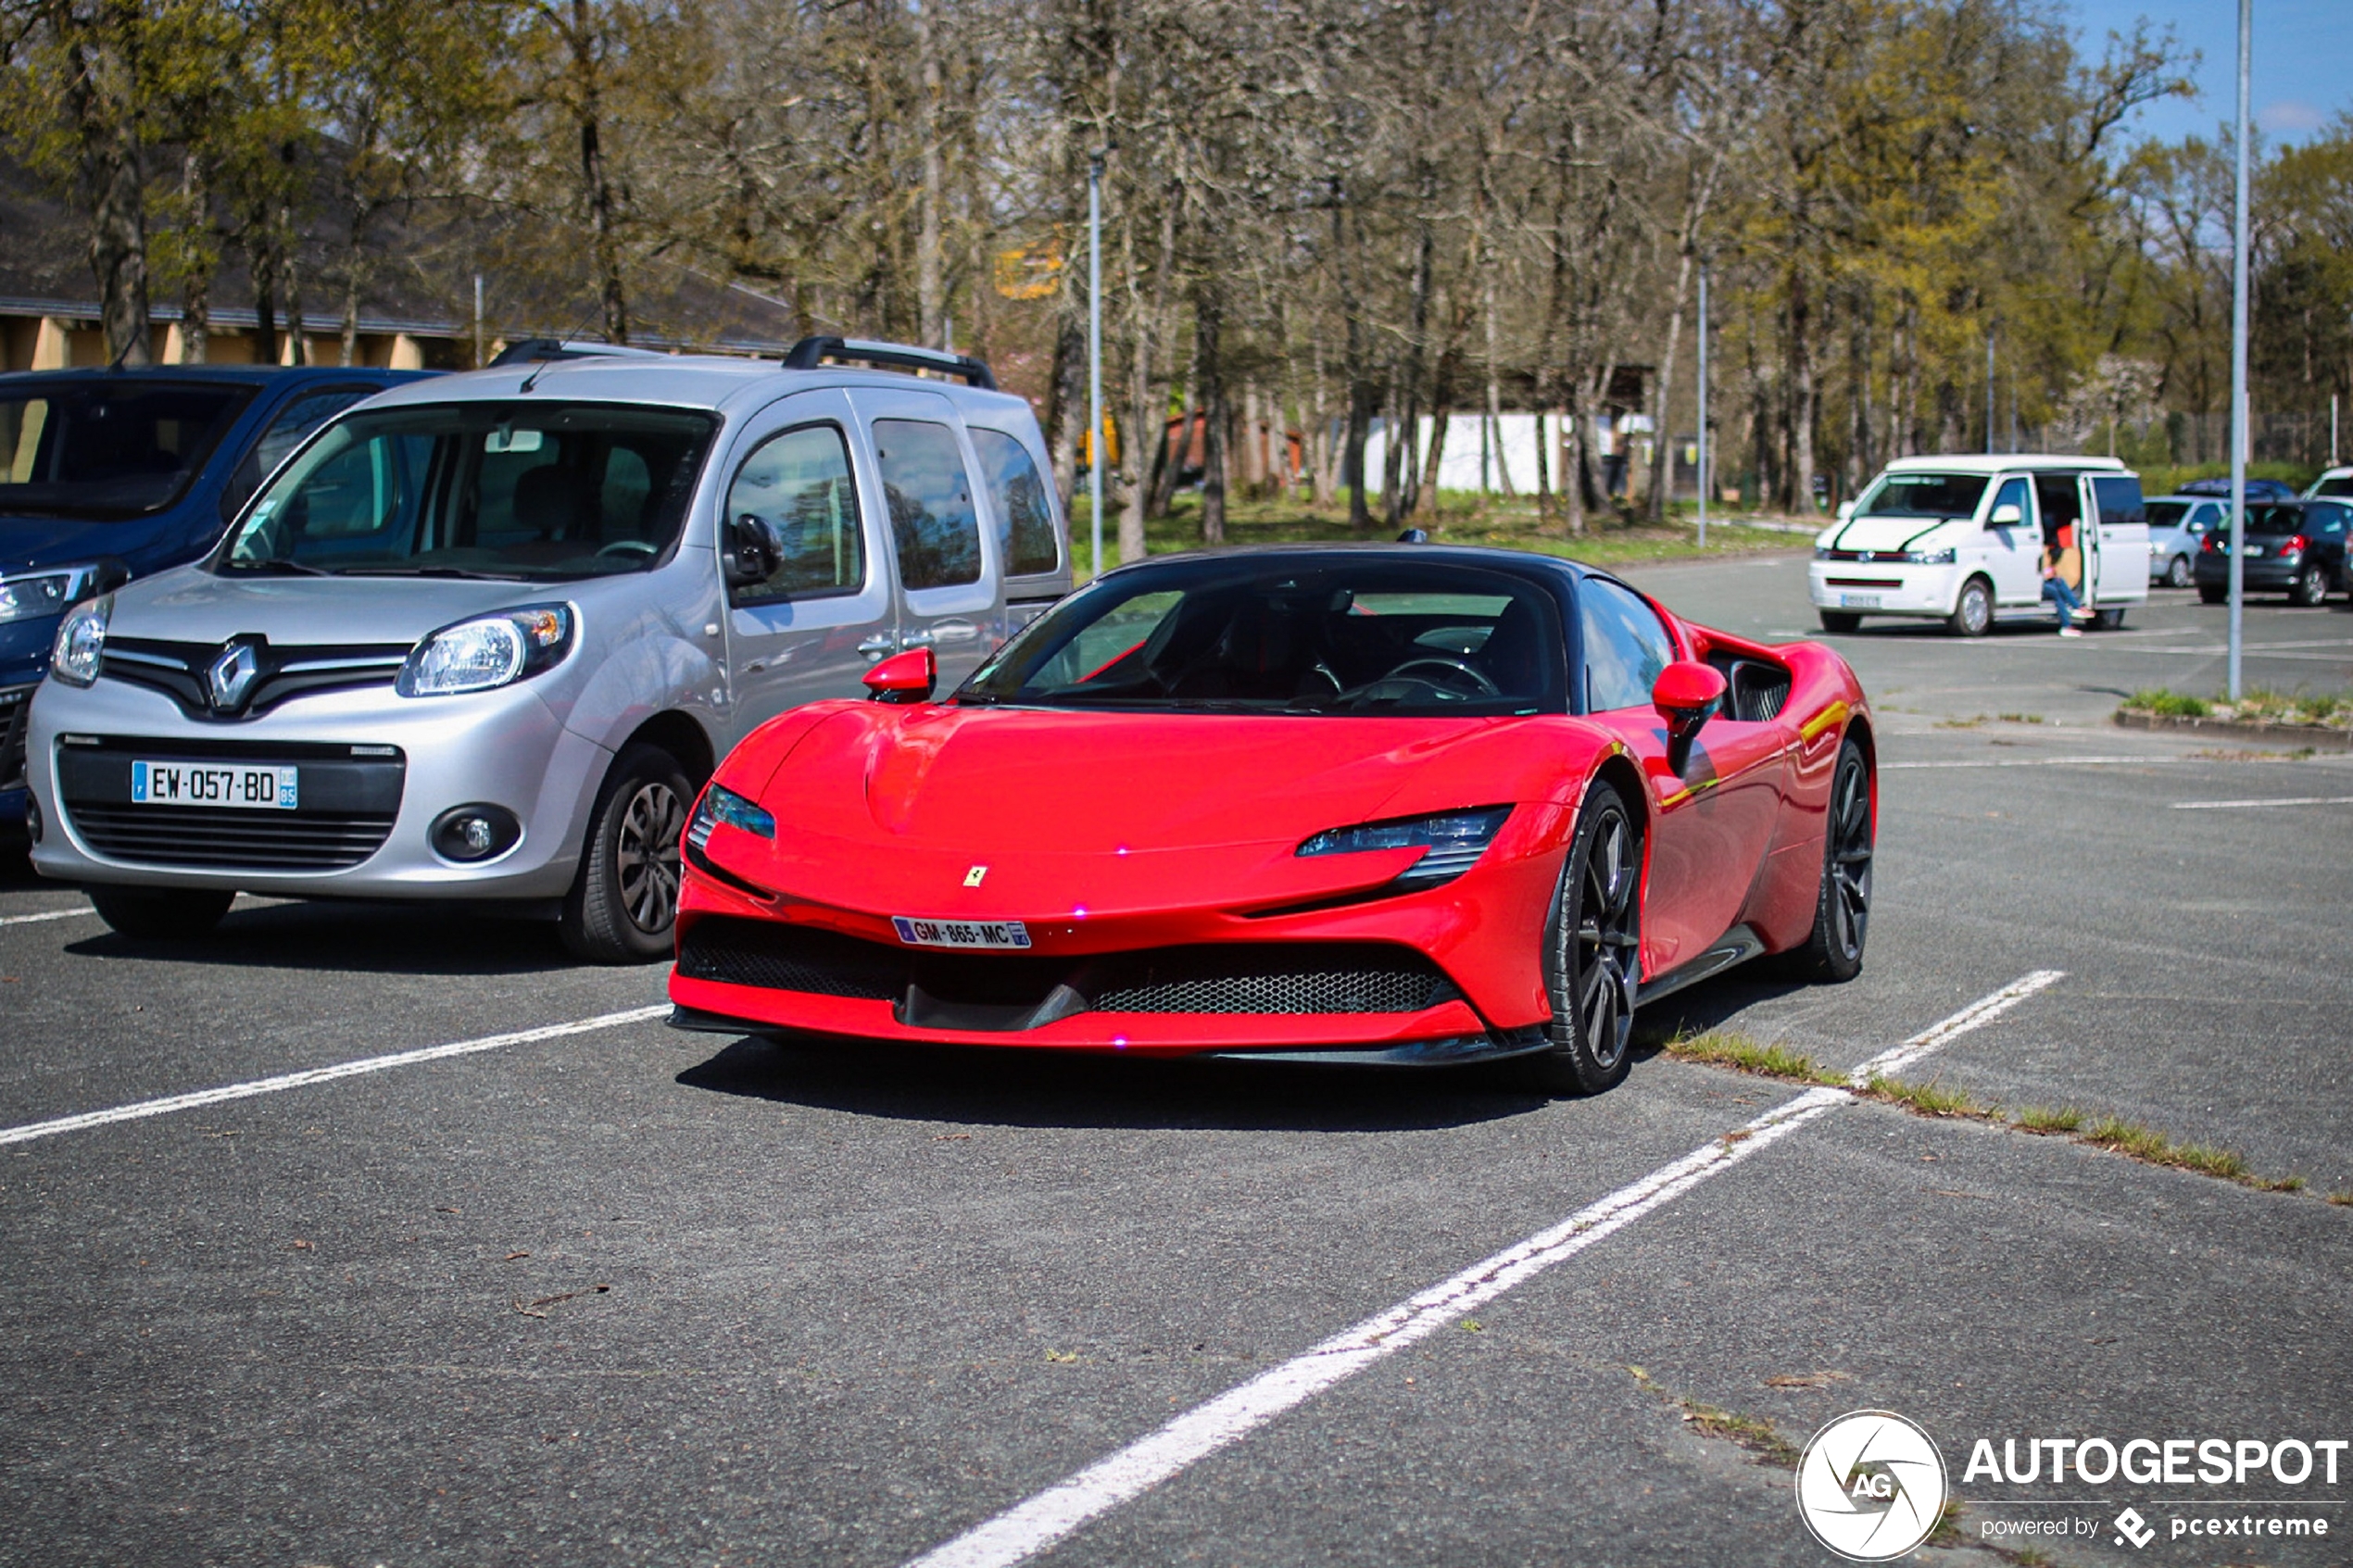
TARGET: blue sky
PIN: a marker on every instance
(2303, 66)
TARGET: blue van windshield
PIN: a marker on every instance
(107, 451)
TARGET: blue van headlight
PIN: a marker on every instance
(34, 596)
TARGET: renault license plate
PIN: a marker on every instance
(999, 933)
(211, 784)
(1859, 601)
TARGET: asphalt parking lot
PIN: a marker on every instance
(625, 1295)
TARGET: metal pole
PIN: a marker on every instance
(480, 353)
(2332, 429)
(2238, 361)
(1703, 406)
(1095, 359)
(1989, 391)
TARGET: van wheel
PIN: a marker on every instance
(161, 913)
(2108, 620)
(2310, 588)
(1973, 611)
(2212, 595)
(624, 902)
(1840, 621)
(2178, 574)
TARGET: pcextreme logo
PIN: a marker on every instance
(1871, 1486)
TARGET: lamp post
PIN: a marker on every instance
(1095, 361)
(1702, 405)
(2238, 361)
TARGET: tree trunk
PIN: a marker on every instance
(262, 262)
(1208, 328)
(113, 192)
(1066, 406)
(930, 301)
(603, 202)
(1360, 393)
(1801, 393)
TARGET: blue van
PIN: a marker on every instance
(107, 475)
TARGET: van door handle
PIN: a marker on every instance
(957, 631)
(874, 647)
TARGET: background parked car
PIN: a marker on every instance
(485, 638)
(2176, 523)
(2295, 547)
(2256, 489)
(2335, 482)
(107, 475)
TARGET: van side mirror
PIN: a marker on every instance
(1687, 694)
(1845, 511)
(749, 551)
(2007, 515)
(904, 677)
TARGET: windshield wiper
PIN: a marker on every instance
(275, 566)
(431, 572)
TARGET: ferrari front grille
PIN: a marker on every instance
(1003, 992)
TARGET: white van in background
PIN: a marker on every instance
(1958, 539)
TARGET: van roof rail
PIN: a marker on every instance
(811, 352)
(529, 350)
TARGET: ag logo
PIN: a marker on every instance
(1871, 1486)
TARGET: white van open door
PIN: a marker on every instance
(2116, 551)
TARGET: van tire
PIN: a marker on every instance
(2212, 595)
(623, 904)
(1840, 621)
(161, 914)
(2108, 620)
(2310, 588)
(1972, 610)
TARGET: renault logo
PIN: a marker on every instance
(232, 676)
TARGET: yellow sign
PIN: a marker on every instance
(1111, 444)
(1030, 271)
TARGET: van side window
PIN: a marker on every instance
(2119, 500)
(1025, 523)
(798, 481)
(2013, 494)
(933, 523)
(1624, 646)
(2062, 502)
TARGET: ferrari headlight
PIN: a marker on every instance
(81, 642)
(719, 804)
(1453, 842)
(491, 650)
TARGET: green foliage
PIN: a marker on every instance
(2167, 704)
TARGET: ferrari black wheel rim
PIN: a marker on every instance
(1607, 940)
(1850, 857)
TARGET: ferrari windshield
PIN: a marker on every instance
(523, 490)
(1379, 636)
(1923, 494)
(110, 450)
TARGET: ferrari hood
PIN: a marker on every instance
(985, 781)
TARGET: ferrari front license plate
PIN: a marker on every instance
(206, 783)
(1859, 601)
(961, 933)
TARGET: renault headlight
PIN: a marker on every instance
(490, 650)
(1451, 842)
(81, 642)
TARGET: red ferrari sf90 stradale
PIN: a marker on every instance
(1398, 804)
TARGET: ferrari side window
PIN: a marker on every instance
(1624, 646)
(797, 482)
(932, 519)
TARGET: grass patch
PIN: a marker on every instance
(1758, 1438)
(1461, 519)
(2135, 1140)
(2342, 1199)
(1961, 723)
(1929, 1099)
(2260, 705)
(1722, 1047)
(2021, 718)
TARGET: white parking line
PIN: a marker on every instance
(1031, 1527)
(46, 914)
(2031, 762)
(2251, 805)
(283, 1081)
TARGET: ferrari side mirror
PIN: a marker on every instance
(1687, 694)
(904, 677)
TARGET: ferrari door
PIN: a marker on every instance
(1709, 822)
(824, 614)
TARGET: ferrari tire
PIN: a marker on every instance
(1593, 952)
(1972, 610)
(161, 913)
(1840, 621)
(624, 903)
(1834, 950)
